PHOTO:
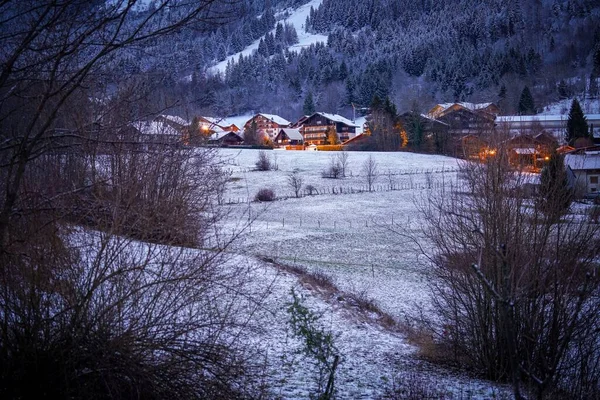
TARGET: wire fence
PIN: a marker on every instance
(429, 184)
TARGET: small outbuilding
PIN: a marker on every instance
(584, 165)
(288, 136)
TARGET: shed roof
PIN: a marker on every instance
(583, 161)
(293, 134)
(155, 128)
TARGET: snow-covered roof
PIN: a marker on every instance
(222, 122)
(176, 119)
(221, 134)
(585, 161)
(524, 150)
(541, 117)
(155, 128)
(276, 118)
(529, 118)
(293, 134)
(336, 118)
(470, 106)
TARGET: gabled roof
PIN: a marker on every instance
(175, 119)
(275, 118)
(584, 159)
(221, 134)
(442, 107)
(293, 134)
(469, 106)
(155, 128)
(221, 122)
(336, 118)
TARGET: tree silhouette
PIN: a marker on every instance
(526, 103)
(577, 126)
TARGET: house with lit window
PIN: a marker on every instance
(267, 125)
(315, 128)
(289, 137)
(584, 168)
(212, 124)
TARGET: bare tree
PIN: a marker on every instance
(295, 182)
(515, 287)
(40, 83)
(342, 158)
(370, 172)
(104, 292)
(334, 169)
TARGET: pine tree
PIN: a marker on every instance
(526, 103)
(593, 91)
(563, 91)
(577, 126)
(309, 104)
(555, 194)
(596, 68)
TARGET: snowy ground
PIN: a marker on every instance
(349, 236)
(353, 238)
(295, 17)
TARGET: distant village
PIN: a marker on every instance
(464, 130)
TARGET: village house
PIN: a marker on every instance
(584, 168)
(225, 139)
(267, 125)
(434, 133)
(439, 110)
(173, 121)
(212, 125)
(289, 137)
(553, 124)
(315, 128)
(465, 120)
(157, 131)
(530, 151)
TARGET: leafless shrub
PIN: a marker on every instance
(311, 190)
(342, 159)
(334, 170)
(265, 194)
(515, 288)
(370, 172)
(265, 163)
(295, 182)
(595, 214)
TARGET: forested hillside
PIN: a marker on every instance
(417, 53)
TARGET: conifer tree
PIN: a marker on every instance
(526, 103)
(577, 126)
(555, 193)
(309, 104)
(593, 91)
(596, 68)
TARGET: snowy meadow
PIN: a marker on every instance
(362, 241)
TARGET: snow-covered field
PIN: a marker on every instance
(348, 236)
(359, 240)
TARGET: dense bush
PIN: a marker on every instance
(265, 194)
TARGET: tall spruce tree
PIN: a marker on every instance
(555, 193)
(577, 126)
(526, 103)
(309, 104)
(596, 67)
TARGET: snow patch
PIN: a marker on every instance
(297, 18)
